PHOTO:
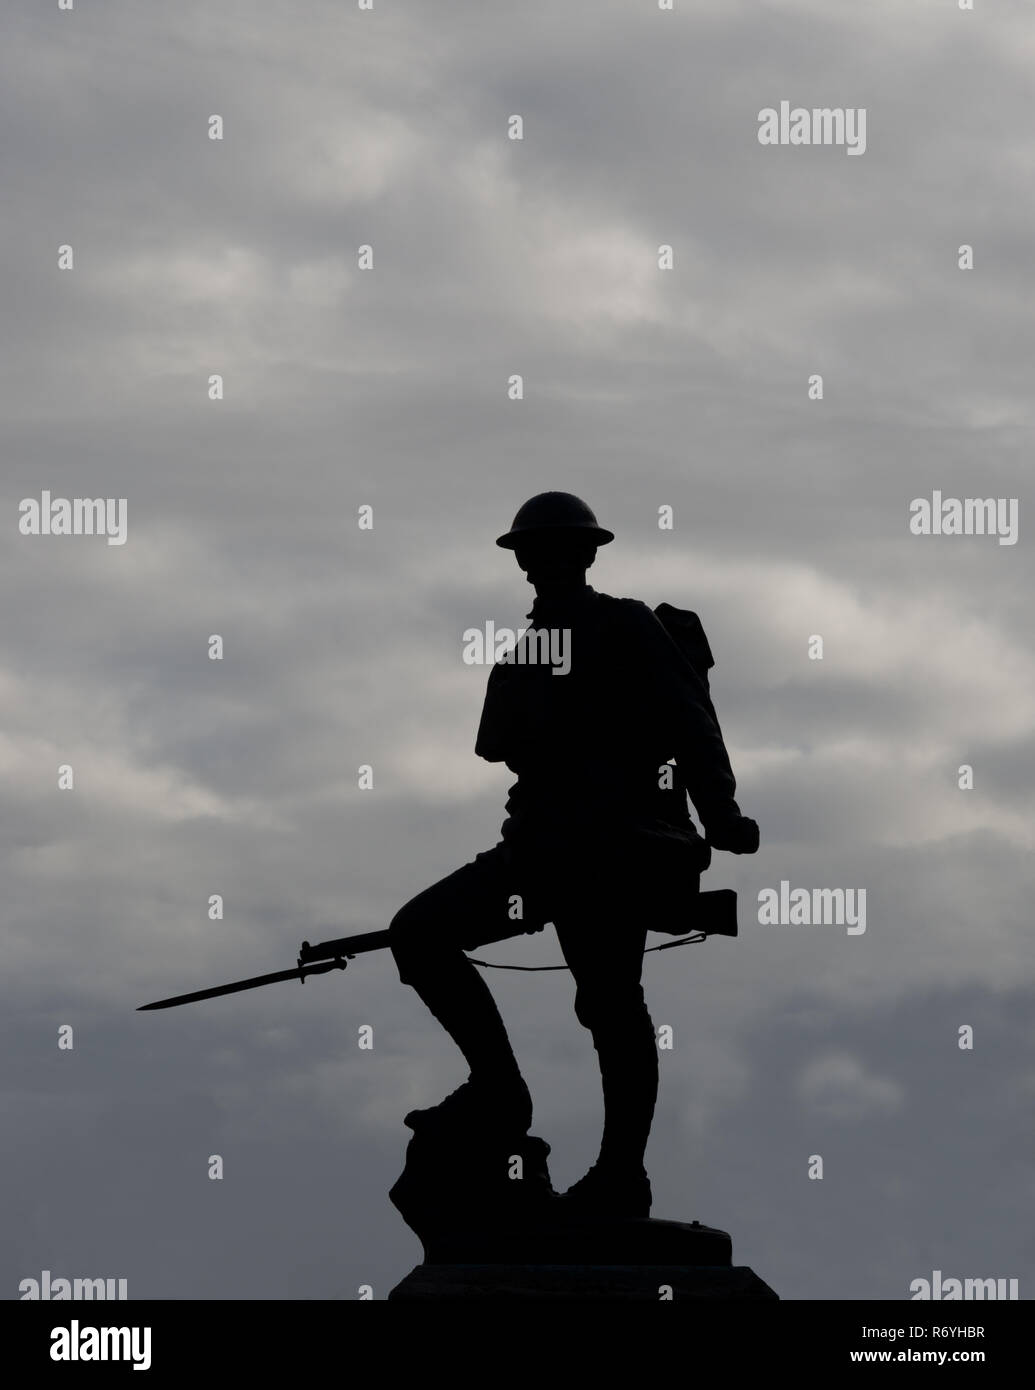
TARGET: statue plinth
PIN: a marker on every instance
(492, 1226)
(574, 1283)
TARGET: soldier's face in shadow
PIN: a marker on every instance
(555, 562)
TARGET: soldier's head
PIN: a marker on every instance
(555, 538)
(555, 561)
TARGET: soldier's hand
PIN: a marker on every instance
(738, 835)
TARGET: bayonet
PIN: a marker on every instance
(312, 960)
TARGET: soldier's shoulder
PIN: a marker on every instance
(633, 606)
(631, 612)
(664, 628)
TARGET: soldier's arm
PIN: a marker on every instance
(513, 715)
(491, 742)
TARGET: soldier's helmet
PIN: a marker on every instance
(554, 513)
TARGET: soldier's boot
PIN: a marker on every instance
(488, 1104)
(609, 1191)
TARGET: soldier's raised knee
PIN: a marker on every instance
(407, 940)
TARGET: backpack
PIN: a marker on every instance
(687, 633)
(713, 913)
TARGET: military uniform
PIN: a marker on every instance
(595, 841)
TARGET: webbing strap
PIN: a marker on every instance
(666, 946)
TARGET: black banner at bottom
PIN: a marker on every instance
(66, 1340)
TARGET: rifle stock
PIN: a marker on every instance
(344, 947)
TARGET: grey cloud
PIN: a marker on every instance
(642, 388)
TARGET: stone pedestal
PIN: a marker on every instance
(486, 1213)
(641, 1283)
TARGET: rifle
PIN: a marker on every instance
(715, 914)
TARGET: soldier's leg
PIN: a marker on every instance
(604, 949)
(430, 934)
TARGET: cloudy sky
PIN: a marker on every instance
(388, 387)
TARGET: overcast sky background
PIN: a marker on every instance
(643, 388)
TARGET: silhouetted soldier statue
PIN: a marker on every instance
(598, 840)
